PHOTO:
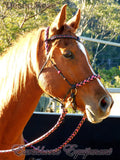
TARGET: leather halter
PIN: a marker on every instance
(73, 89)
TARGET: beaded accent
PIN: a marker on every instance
(91, 78)
(61, 37)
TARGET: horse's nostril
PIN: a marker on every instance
(105, 103)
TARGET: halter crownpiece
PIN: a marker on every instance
(63, 36)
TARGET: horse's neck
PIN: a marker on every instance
(17, 113)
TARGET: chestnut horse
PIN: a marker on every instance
(22, 81)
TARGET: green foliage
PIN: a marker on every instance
(111, 77)
(18, 17)
(99, 19)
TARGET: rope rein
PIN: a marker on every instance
(40, 138)
(64, 143)
(30, 144)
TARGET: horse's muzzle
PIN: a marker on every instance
(101, 111)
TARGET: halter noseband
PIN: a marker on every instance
(74, 87)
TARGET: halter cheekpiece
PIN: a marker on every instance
(73, 87)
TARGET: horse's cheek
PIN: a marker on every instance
(46, 83)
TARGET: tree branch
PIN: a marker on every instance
(26, 19)
(99, 51)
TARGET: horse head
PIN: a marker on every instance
(67, 67)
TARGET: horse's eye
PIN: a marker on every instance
(68, 54)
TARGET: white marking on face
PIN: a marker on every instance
(82, 48)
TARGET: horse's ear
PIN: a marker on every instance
(74, 22)
(59, 20)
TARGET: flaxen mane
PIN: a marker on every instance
(14, 66)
